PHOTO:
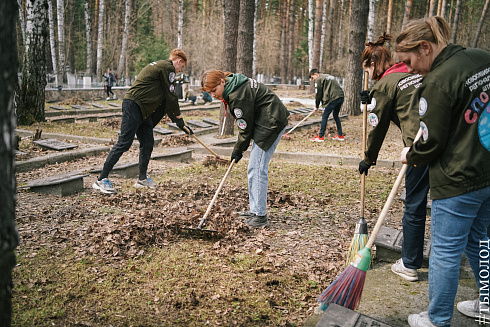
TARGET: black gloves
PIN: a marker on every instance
(237, 156)
(180, 124)
(365, 97)
(363, 167)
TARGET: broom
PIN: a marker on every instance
(346, 289)
(361, 232)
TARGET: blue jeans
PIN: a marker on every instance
(417, 187)
(132, 123)
(258, 176)
(334, 106)
(458, 224)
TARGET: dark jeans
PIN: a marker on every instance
(109, 90)
(417, 187)
(132, 123)
(334, 106)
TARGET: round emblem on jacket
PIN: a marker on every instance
(422, 106)
(425, 131)
(484, 129)
(241, 123)
(373, 119)
(238, 112)
(171, 88)
(171, 77)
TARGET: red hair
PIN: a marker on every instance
(210, 79)
(377, 53)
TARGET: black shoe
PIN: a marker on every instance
(257, 221)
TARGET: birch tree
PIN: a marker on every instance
(34, 67)
(480, 24)
(357, 36)
(52, 42)
(245, 37)
(100, 34)
(371, 16)
(181, 23)
(9, 239)
(310, 34)
(124, 45)
(254, 54)
(88, 36)
(322, 40)
(456, 20)
(60, 12)
(22, 20)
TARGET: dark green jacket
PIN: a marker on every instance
(327, 89)
(391, 101)
(455, 116)
(260, 115)
(154, 89)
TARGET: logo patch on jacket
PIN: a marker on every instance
(171, 77)
(373, 119)
(422, 106)
(425, 131)
(171, 88)
(241, 123)
(238, 112)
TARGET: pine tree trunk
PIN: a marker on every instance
(341, 19)
(34, 67)
(456, 20)
(100, 34)
(88, 36)
(22, 20)
(317, 36)
(9, 239)
(480, 25)
(245, 38)
(60, 11)
(357, 34)
(284, 43)
(407, 13)
(371, 18)
(52, 42)
(292, 19)
(329, 44)
(254, 63)
(432, 7)
(124, 45)
(310, 34)
(389, 17)
(181, 24)
(322, 38)
(443, 8)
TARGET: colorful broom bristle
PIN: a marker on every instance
(359, 241)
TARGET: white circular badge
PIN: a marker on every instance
(422, 106)
(238, 112)
(373, 119)
(425, 131)
(171, 77)
(242, 124)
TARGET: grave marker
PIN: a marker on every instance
(339, 316)
(54, 144)
(211, 121)
(59, 185)
(57, 107)
(199, 123)
(161, 130)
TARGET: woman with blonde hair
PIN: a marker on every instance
(391, 101)
(260, 116)
(455, 117)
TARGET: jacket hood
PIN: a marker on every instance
(233, 81)
(446, 53)
(396, 68)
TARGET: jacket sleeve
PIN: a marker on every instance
(435, 120)
(380, 118)
(243, 107)
(172, 107)
(319, 91)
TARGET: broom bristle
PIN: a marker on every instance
(359, 241)
(346, 290)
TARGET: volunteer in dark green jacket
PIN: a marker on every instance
(150, 97)
(390, 101)
(331, 96)
(454, 114)
(260, 116)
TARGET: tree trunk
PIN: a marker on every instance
(357, 34)
(341, 18)
(181, 24)
(291, 28)
(254, 63)
(22, 20)
(317, 34)
(88, 36)
(389, 17)
(456, 20)
(432, 7)
(443, 8)
(60, 11)
(52, 42)
(310, 34)
(371, 18)
(124, 45)
(100, 34)
(407, 13)
(231, 15)
(34, 68)
(480, 25)
(284, 40)
(439, 8)
(245, 38)
(329, 52)
(322, 40)
(9, 239)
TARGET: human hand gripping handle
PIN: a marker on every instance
(181, 124)
(363, 167)
(236, 156)
(365, 99)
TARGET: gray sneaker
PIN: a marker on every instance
(246, 213)
(148, 182)
(257, 221)
(474, 309)
(404, 272)
(105, 186)
(420, 320)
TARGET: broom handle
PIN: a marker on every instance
(392, 195)
(364, 137)
(292, 129)
(216, 195)
(204, 145)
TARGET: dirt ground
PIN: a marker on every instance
(312, 209)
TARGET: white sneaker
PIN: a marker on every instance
(114, 97)
(107, 99)
(105, 186)
(420, 320)
(404, 272)
(148, 182)
(474, 309)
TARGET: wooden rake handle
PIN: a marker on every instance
(216, 195)
(364, 138)
(389, 201)
(292, 129)
(204, 145)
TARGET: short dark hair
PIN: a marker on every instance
(313, 72)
